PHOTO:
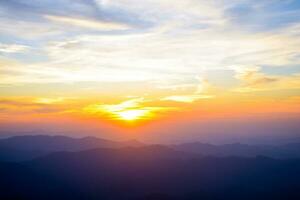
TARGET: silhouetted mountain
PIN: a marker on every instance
(283, 151)
(21, 148)
(61, 143)
(14, 155)
(154, 172)
(150, 152)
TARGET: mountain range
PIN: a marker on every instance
(68, 168)
(19, 148)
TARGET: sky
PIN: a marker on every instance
(154, 70)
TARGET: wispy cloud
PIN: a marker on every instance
(12, 48)
(87, 23)
(252, 79)
(30, 105)
(186, 98)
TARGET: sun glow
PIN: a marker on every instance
(129, 110)
(130, 115)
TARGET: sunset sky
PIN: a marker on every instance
(154, 70)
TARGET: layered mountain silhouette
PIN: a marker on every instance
(61, 143)
(140, 171)
(21, 148)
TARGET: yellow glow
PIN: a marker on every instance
(130, 110)
(49, 100)
(187, 98)
(130, 115)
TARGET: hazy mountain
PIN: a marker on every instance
(281, 151)
(21, 148)
(153, 172)
(150, 152)
(61, 143)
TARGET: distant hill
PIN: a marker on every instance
(61, 143)
(15, 155)
(20, 148)
(291, 150)
(149, 153)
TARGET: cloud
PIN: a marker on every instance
(13, 48)
(87, 23)
(252, 79)
(186, 98)
(44, 100)
(201, 90)
(80, 16)
(13, 102)
(34, 105)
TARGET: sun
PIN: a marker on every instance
(131, 110)
(132, 115)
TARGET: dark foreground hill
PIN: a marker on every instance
(153, 172)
